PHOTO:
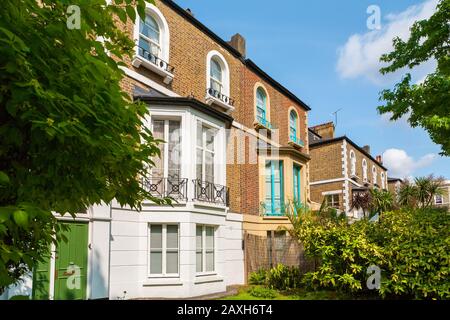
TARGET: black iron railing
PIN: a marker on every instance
(210, 192)
(175, 188)
(219, 95)
(155, 60)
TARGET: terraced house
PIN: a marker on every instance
(341, 170)
(236, 150)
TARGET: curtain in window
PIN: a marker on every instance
(216, 79)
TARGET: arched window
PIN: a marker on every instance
(218, 80)
(149, 37)
(215, 76)
(293, 126)
(383, 181)
(364, 167)
(352, 163)
(261, 105)
(374, 175)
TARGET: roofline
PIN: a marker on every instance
(395, 179)
(323, 142)
(247, 62)
(186, 101)
(313, 132)
(322, 124)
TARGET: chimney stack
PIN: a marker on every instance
(366, 148)
(238, 42)
(325, 130)
(379, 159)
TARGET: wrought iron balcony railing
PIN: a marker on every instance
(296, 140)
(155, 60)
(220, 96)
(209, 192)
(264, 122)
(175, 188)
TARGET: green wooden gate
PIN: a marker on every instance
(70, 266)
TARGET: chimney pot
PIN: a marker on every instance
(366, 148)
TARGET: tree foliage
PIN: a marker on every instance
(421, 192)
(70, 137)
(427, 104)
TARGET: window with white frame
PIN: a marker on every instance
(352, 163)
(205, 150)
(261, 105)
(168, 164)
(438, 199)
(149, 38)
(164, 249)
(332, 200)
(216, 76)
(364, 168)
(374, 175)
(205, 246)
(383, 181)
(293, 126)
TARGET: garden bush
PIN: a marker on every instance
(411, 247)
(283, 277)
(259, 277)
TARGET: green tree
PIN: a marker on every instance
(70, 137)
(427, 103)
(381, 200)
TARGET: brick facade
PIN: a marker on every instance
(190, 44)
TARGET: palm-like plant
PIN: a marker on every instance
(421, 192)
(407, 195)
(381, 201)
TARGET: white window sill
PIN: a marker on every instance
(140, 61)
(295, 144)
(213, 100)
(207, 279)
(259, 126)
(162, 282)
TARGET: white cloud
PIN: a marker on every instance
(401, 165)
(360, 55)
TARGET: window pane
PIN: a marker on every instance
(150, 28)
(210, 134)
(198, 261)
(199, 134)
(268, 186)
(209, 261)
(158, 133)
(172, 237)
(198, 238)
(156, 262)
(209, 238)
(199, 164)
(261, 98)
(156, 236)
(216, 70)
(209, 167)
(174, 149)
(172, 262)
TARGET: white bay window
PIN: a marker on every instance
(205, 260)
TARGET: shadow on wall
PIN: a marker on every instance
(99, 285)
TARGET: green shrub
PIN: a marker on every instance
(259, 277)
(411, 247)
(416, 248)
(262, 292)
(283, 277)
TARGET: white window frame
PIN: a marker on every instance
(204, 249)
(383, 181)
(164, 274)
(165, 148)
(164, 34)
(374, 175)
(332, 195)
(364, 169)
(352, 163)
(204, 150)
(218, 57)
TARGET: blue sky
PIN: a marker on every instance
(324, 52)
